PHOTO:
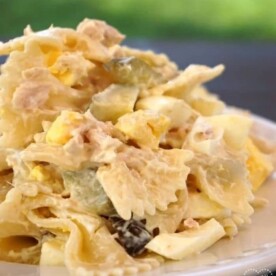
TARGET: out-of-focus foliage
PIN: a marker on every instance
(196, 19)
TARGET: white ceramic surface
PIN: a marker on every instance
(251, 252)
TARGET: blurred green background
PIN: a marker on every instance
(168, 19)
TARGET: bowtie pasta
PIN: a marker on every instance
(113, 160)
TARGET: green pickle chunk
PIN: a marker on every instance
(87, 191)
(132, 70)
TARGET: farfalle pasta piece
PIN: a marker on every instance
(54, 154)
(185, 82)
(233, 223)
(86, 243)
(91, 154)
(20, 240)
(103, 251)
(31, 178)
(224, 180)
(13, 220)
(23, 42)
(205, 103)
(20, 249)
(75, 41)
(169, 220)
(141, 181)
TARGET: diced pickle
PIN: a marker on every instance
(87, 191)
(132, 70)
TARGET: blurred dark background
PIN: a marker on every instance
(238, 33)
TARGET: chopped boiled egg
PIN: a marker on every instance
(176, 109)
(60, 132)
(178, 246)
(258, 165)
(39, 173)
(114, 102)
(144, 127)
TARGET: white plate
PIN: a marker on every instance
(251, 252)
